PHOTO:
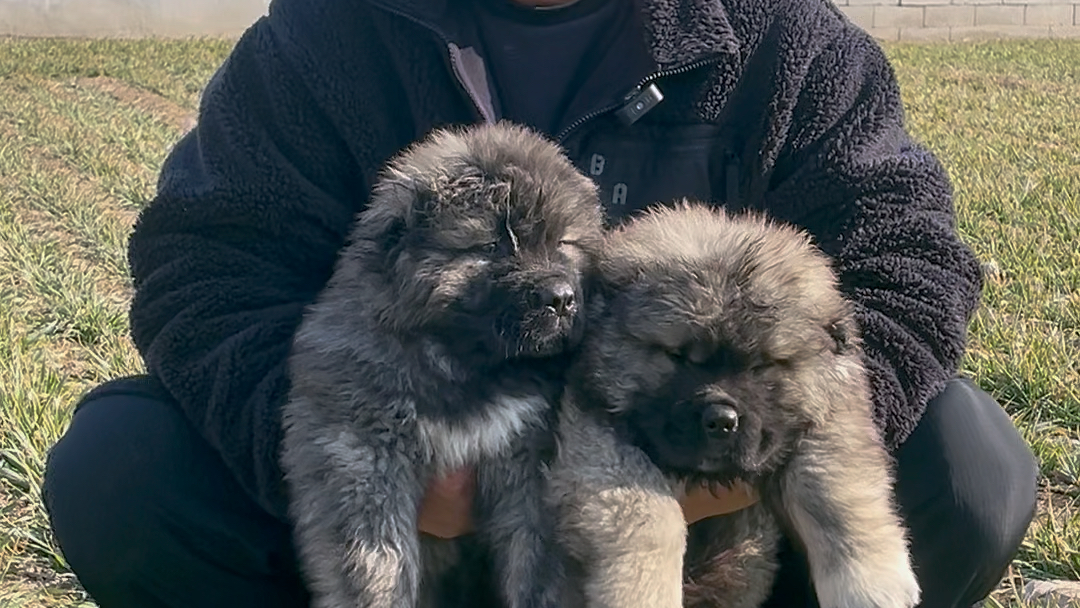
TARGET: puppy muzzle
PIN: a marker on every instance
(719, 420)
(556, 296)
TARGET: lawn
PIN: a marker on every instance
(85, 125)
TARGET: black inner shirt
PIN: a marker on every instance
(538, 58)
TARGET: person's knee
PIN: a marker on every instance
(147, 513)
(966, 484)
(96, 477)
(992, 472)
(995, 478)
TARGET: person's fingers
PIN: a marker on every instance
(446, 509)
(701, 502)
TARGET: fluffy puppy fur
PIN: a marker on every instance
(437, 344)
(718, 347)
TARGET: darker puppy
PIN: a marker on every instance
(719, 348)
(436, 345)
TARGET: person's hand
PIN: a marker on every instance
(701, 503)
(446, 509)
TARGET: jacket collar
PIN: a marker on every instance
(682, 31)
(677, 31)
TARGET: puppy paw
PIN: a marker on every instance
(880, 583)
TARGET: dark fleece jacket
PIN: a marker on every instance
(792, 108)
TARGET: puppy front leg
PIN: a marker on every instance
(353, 502)
(520, 531)
(617, 517)
(838, 495)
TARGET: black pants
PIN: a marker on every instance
(147, 515)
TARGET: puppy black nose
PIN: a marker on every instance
(559, 297)
(719, 419)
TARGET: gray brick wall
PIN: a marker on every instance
(127, 18)
(956, 20)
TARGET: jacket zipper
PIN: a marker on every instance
(731, 167)
(449, 45)
(577, 124)
(634, 93)
(731, 162)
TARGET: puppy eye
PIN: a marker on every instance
(700, 353)
(487, 248)
(677, 354)
(760, 364)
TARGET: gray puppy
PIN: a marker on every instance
(436, 344)
(719, 348)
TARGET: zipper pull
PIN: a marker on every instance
(638, 102)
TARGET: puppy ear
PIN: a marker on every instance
(393, 234)
(389, 216)
(597, 294)
(844, 333)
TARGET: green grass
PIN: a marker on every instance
(84, 126)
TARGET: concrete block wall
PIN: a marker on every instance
(958, 20)
(128, 18)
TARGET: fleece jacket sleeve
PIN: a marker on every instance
(251, 209)
(882, 206)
